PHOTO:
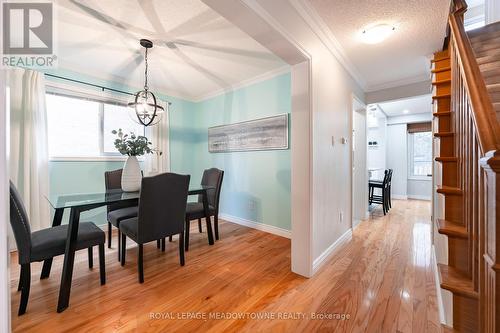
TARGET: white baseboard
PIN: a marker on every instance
(318, 262)
(257, 225)
(399, 196)
(442, 317)
(419, 197)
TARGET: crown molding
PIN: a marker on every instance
(325, 35)
(398, 83)
(245, 83)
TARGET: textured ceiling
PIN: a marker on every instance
(196, 50)
(420, 104)
(402, 58)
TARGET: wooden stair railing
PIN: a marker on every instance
(468, 135)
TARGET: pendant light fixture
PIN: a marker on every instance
(147, 109)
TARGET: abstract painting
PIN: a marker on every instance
(260, 134)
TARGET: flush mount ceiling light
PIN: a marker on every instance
(406, 111)
(377, 33)
(147, 109)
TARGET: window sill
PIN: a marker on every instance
(423, 178)
(92, 159)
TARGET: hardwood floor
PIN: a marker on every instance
(382, 281)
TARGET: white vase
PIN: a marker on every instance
(131, 175)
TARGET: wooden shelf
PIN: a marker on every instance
(452, 229)
(435, 83)
(449, 190)
(446, 159)
(442, 114)
(456, 282)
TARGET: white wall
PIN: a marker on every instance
(401, 92)
(409, 119)
(404, 186)
(492, 11)
(397, 159)
(420, 189)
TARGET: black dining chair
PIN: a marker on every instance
(47, 243)
(119, 211)
(195, 210)
(389, 183)
(162, 209)
(383, 186)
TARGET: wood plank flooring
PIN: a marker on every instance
(381, 281)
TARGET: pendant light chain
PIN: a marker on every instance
(146, 72)
(148, 110)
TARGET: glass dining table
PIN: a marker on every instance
(78, 203)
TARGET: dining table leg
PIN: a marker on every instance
(69, 260)
(206, 208)
(47, 264)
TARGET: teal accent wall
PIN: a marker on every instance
(256, 184)
(81, 177)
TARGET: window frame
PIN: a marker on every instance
(411, 175)
(89, 95)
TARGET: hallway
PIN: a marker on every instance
(383, 279)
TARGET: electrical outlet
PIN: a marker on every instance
(251, 205)
(341, 216)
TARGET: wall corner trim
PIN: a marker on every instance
(319, 261)
(257, 225)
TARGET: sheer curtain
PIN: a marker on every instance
(28, 160)
(158, 136)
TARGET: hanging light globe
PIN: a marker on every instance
(148, 110)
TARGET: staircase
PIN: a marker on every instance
(486, 45)
(466, 102)
(455, 276)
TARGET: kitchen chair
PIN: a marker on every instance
(47, 243)
(162, 209)
(119, 211)
(383, 186)
(211, 177)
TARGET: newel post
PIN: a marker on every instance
(490, 249)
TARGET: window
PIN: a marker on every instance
(420, 154)
(81, 128)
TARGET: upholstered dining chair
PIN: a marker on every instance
(47, 243)
(211, 177)
(162, 209)
(117, 211)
